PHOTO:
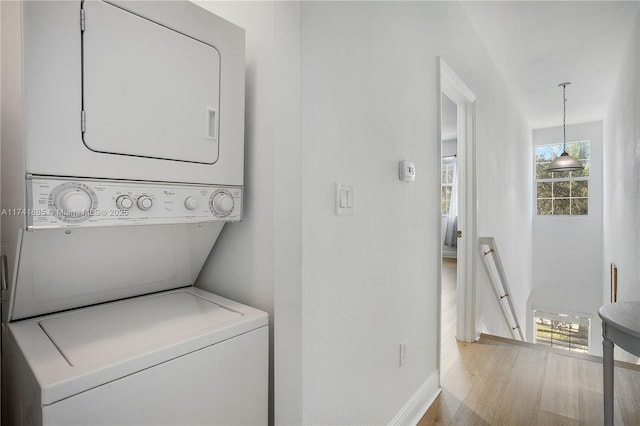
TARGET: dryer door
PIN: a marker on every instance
(148, 91)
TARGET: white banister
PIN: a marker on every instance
(495, 271)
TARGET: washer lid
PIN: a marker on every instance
(106, 331)
(71, 352)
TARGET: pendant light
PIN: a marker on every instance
(565, 163)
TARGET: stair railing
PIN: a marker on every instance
(495, 271)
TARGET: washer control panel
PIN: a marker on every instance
(54, 202)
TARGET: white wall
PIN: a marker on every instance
(369, 98)
(504, 205)
(340, 92)
(567, 250)
(622, 181)
(449, 147)
(257, 261)
(622, 177)
(288, 219)
(370, 280)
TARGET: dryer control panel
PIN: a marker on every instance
(55, 202)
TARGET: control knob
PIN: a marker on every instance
(72, 202)
(144, 202)
(124, 202)
(221, 203)
(191, 203)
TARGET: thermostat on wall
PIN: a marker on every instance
(407, 171)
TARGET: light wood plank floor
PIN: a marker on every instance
(448, 346)
(493, 383)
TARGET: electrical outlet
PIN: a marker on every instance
(403, 352)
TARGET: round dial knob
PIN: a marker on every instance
(191, 203)
(124, 202)
(221, 203)
(72, 201)
(144, 202)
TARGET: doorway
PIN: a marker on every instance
(449, 227)
(458, 215)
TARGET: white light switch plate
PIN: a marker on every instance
(345, 204)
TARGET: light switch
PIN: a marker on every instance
(343, 198)
(345, 204)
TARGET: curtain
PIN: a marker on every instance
(450, 236)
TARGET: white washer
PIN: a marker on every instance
(183, 357)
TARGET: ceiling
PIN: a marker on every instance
(538, 44)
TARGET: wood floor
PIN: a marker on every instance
(496, 384)
(448, 346)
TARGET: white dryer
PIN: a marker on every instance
(140, 90)
(121, 163)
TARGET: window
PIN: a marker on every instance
(562, 193)
(562, 331)
(448, 169)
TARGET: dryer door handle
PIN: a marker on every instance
(212, 123)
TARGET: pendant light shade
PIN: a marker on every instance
(565, 163)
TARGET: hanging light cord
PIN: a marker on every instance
(565, 162)
(564, 115)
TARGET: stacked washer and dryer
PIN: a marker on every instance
(122, 159)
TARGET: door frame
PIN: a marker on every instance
(455, 89)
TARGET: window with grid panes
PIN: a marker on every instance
(448, 164)
(562, 193)
(562, 331)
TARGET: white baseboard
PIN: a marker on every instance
(419, 403)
